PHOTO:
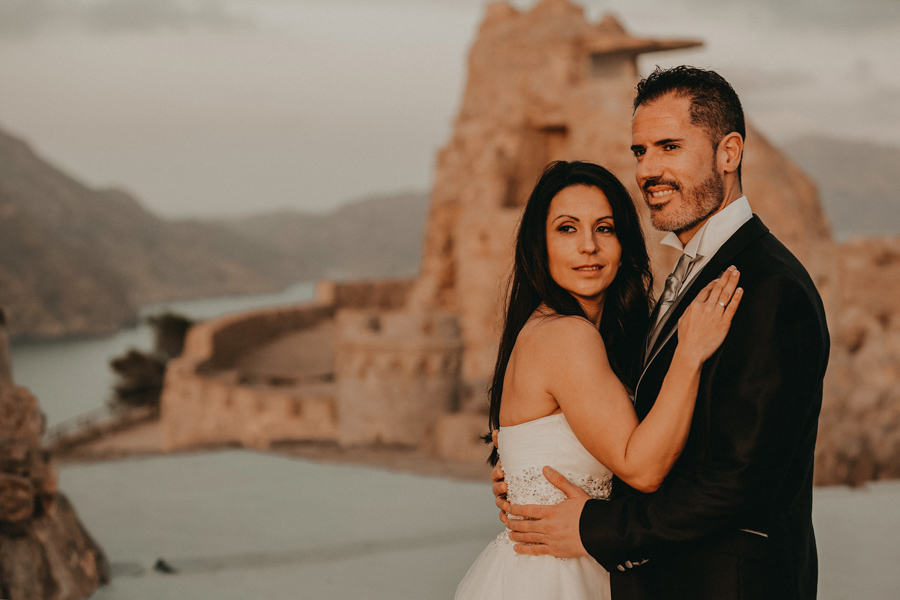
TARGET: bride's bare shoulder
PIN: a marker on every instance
(558, 335)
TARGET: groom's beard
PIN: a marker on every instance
(697, 203)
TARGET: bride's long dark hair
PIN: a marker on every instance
(626, 310)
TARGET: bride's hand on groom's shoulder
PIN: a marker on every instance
(705, 323)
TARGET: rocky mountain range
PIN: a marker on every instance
(79, 261)
(372, 238)
(75, 260)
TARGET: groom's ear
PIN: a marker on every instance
(729, 152)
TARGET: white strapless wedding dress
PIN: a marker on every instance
(500, 573)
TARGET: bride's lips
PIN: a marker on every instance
(588, 268)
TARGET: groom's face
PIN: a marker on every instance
(676, 165)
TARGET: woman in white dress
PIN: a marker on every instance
(577, 316)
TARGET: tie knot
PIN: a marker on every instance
(675, 279)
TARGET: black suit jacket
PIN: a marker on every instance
(748, 461)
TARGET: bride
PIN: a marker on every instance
(577, 315)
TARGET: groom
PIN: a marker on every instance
(733, 517)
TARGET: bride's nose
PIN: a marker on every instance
(588, 245)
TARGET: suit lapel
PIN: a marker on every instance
(721, 260)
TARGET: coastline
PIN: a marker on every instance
(144, 440)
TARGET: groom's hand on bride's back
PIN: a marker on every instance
(550, 528)
(499, 484)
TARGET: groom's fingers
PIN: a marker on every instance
(525, 515)
(529, 537)
(564, 485)
(532, 549)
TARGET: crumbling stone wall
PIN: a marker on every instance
(397, 373)
(207, 400)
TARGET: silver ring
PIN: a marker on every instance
(722, 304)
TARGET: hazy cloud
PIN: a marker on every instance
(751, 80)
(27, 18)
(832, 14)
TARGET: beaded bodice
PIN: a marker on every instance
(526, 448)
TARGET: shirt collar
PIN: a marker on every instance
(717, 229)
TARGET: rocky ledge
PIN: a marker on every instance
(45, 551)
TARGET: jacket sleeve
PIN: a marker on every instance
(758, 403)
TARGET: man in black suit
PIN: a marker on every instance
(733, 519)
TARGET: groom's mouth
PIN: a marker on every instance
(657, 192)
(662, 193)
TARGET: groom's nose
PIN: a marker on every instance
(649, 166)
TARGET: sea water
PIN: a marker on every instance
(241, 524)
(72, 376)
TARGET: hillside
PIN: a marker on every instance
(372, 238)
(76, 261)
(855, 182)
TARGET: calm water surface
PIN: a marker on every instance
(242, 524)
(72, 376)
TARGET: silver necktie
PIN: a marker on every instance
(673, 285)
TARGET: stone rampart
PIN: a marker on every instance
(397, 373)
(206, 400)
(385, 294)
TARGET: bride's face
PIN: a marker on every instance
(582, 248)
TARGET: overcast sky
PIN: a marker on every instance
(211, 107)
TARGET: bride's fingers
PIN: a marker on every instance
(721, 284)
(729, 280)
(704, 294)
(733, 305)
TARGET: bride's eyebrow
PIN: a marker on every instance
(565, 217)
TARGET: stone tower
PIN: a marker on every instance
(397, 373)
(543, 85)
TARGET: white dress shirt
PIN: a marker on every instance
(706, 242)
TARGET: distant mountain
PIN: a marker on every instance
(376, 237)
(79, 261)
(74, 260)
(856, 183)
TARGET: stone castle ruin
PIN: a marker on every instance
(408, 362)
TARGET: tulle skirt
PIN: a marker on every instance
(499, 573)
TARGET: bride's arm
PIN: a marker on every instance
(597, 406)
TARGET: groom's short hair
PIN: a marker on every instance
(715, 105)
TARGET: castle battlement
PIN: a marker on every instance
(397, 373)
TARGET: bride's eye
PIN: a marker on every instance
(565, 229)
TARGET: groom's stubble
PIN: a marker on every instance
(700, 202)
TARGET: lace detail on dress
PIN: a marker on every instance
(531, 487)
